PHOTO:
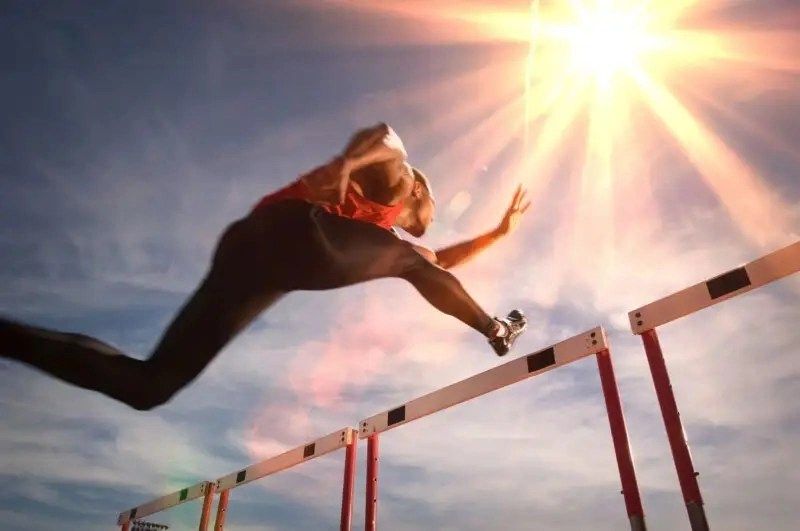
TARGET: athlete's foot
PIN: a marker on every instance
(507, 331)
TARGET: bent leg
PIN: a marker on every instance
(74, 358)
(221, 308)
(200, 330)
(228, 299)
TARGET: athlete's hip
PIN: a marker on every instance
(295, 245)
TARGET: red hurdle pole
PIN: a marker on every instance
(619, 434)
(371, 518)
(687, 477)
(222, 510)
(349, 483)
(208, 499)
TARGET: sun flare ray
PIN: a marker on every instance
(757, 211)
(596, 85)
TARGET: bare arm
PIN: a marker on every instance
(461, 252)
(373, 145)
(370, 146)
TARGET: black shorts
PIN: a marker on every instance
(295, 245)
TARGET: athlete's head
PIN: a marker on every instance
(421, 205)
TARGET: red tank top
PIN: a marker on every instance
(355, 205)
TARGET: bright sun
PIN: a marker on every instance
(608, 84)
(605, 42)
(605, 68)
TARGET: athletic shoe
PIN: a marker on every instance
(514, 323)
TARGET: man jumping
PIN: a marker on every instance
(333, 227)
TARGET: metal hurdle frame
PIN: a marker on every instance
(645, 320)
(593, 341)
(204, 489)
(344, 438)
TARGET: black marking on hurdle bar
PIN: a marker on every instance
(728, 283)
(184, 494)
(241, 475)
(396, 415)
(133, 513)
(308, 451)
(541, 360)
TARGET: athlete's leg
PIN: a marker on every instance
(444, 291)
(353, 252)
(227, 300)
(356, 252)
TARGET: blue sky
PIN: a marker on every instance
(133, 133)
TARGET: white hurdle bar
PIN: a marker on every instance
(644, 320)
(774, 266)
(204, 489)
(580, 346)
(344, 438)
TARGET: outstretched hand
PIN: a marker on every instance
(512, 216)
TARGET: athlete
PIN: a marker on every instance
(332, 227)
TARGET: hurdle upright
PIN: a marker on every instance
(580, 346)
(645, 320)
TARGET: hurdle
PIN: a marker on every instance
(593, 341)
(645, 320)
(204, 489)
(344, 438)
